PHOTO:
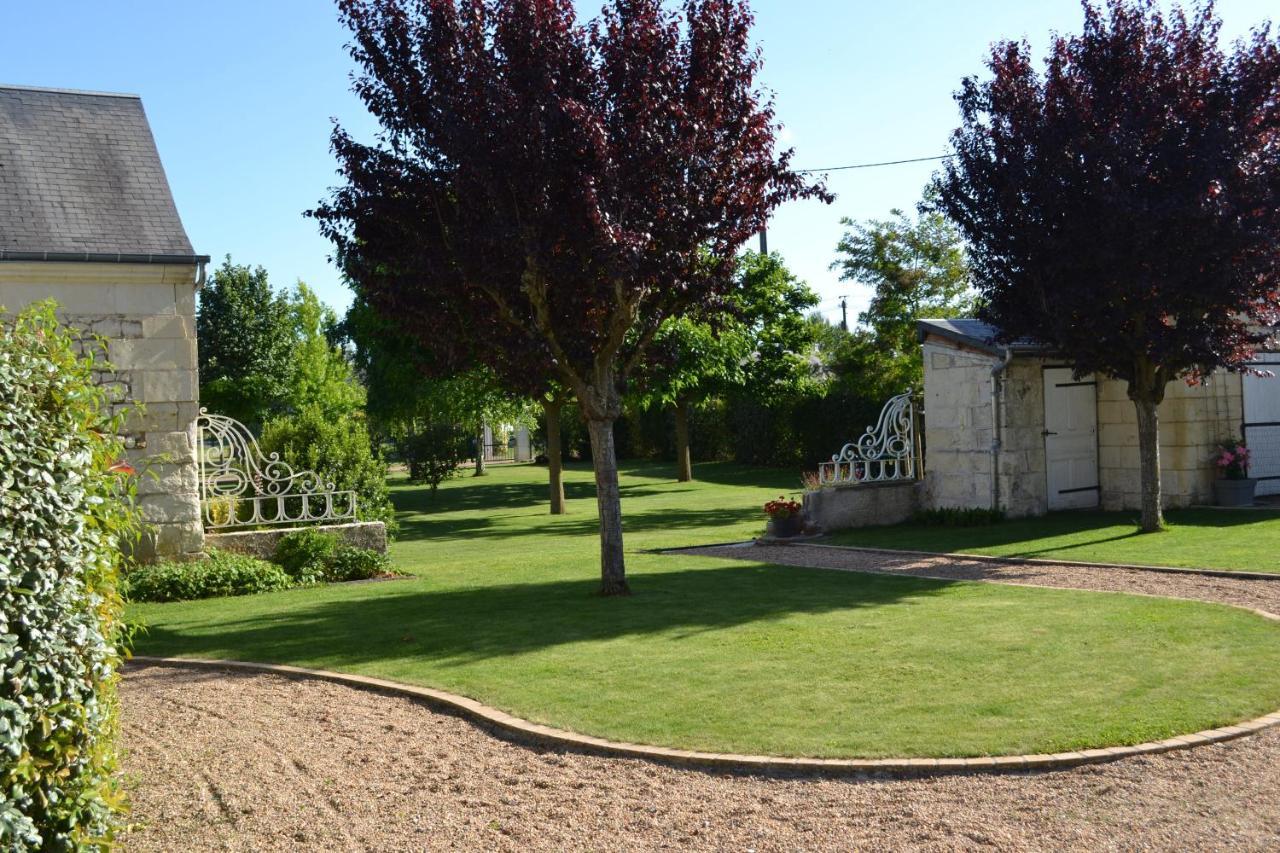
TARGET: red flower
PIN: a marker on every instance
(121, 466)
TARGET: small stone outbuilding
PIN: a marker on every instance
(87, 219)
(1010, 427)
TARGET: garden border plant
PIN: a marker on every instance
(65, 511)
(305, 557)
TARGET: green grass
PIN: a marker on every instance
(1235, 540)
(738, 656)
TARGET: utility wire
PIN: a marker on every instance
(874, 165)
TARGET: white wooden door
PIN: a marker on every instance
(1262, 423)
(1070, 439)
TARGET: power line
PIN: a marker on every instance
(874, 165)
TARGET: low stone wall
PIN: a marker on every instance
(262, 543)
(864, 505)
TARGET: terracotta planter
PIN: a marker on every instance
(784, 528)
(1234, 492)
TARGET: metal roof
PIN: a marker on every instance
(81, 180)
(977, 334)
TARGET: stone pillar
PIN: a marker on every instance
(146, 315)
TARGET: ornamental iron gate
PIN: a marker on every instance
(887, 452)
(241, 487)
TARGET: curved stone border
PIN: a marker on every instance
(808, 542)
(528, 732)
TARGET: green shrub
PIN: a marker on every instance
(63, 517)
(357, 564)
(221, 574)
(339, 450)
(310, 556)
(306, 555)
(958, 517)
(433, 452)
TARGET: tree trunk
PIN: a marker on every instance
(684, 462)
(613, 578)
(1149, 451)
(480, 452)
(555, 468)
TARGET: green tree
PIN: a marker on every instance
(408, 400)
(247, 339)
(323, 374)
(756, 342)
(917, 269)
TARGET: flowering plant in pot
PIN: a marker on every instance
(1233, 487)
(784, 517)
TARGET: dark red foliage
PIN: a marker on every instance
(541, 189)
(1124, 205)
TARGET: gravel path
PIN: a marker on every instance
(235, 761)
(232, 761)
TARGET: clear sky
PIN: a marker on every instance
(240, 95)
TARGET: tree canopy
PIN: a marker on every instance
(1123, 206)
(246, 344)
(917, 269)
(545, 192)
(323, 376)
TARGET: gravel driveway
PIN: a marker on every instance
(236, 761)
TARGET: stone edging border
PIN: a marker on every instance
(987, 558)
(527, 732)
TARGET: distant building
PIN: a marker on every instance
(1012, 428)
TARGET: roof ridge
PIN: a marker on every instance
(15, 87)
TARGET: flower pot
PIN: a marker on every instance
(784, 528)
(1234, 492)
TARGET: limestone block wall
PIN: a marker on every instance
(146, 314)
(957, 427)
(1024, 487)
(1193, 419)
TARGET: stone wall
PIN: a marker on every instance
(1193, 419)
(958, 435)
(1024, 487)
(862, 505)
(146, 314)
(262, 543)
(957, 427)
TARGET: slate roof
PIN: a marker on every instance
(81, 179)
(977, 334)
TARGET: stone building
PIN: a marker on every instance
(1011, 427)
(87, 219)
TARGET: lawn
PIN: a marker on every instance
(1238, 539)
(738, 656)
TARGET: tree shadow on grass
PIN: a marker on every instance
(461, 626)
(1036, 534)
(492, 495)
(421, 527)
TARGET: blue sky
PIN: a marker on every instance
(240, 95)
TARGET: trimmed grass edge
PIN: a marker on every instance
(525, 732)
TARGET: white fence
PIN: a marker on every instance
(242, 487)
(887, 452)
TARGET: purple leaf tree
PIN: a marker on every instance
(1123, 205)
(544, 193)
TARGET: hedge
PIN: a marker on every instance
(222, 573)
(63, 515)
